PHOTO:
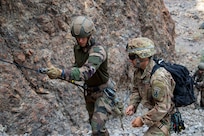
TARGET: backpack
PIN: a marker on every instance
(183, 92)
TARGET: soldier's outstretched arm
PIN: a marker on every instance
(96, 57)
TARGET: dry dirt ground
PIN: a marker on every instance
(188, 16)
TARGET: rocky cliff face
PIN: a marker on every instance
(33, 32)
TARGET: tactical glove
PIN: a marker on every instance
(137, 122)
(54, 72)
(118, 109)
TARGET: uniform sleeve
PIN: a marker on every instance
(97, 55)
(162, 103)
(135, 97)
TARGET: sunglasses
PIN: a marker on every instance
(132, 56)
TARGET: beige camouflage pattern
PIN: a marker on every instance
(142, 46)
(154, 93)
(154, 131)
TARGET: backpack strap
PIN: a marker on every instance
(157, 65)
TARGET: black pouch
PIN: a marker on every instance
(177, 124)
(110, 93)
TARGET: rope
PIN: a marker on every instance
(40, 70)
(21, 66)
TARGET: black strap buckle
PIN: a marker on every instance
(110, 93)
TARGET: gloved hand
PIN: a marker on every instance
(54, 72)
(119, 108)
(137, 122)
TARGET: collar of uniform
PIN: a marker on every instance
(88, 46)
(78, 47)
(84, 49)
(91, 42)
(148, 69)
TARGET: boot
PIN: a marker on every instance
(100, 133)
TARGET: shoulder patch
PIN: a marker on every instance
(158, 91)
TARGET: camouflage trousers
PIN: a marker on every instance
(199, 92)
(98, 107)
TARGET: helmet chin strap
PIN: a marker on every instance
(89, 41)
(88, 45)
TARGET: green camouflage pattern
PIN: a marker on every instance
(91, 66)
(142, 46)
(99, 107)
(118, 108)
(154, 93)
(103, 108)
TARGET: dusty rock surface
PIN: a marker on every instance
(188, 17)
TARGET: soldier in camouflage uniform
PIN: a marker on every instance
(91, 67)
(199, 82)
(153, 92)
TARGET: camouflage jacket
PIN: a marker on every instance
(153, 92)
(90, 65)
(199, 79)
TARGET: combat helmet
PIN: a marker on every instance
(201, 66)
(142, 46)
(82, 26)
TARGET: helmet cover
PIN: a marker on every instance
(82, 26)
(142, 46)
(201, 66)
